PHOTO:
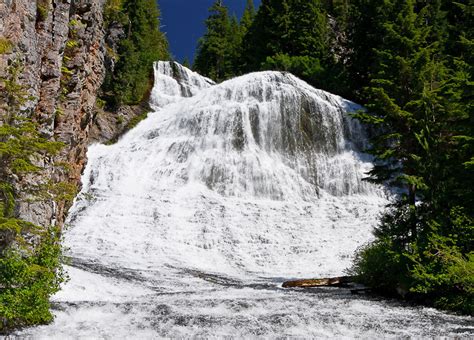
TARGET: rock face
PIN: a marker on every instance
(61, 46)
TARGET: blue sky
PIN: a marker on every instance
(183, 22)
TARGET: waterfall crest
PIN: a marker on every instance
(174, 81)
(266, 134)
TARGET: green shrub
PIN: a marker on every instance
(442, 274)
(100, 103)
(70, 44)
(130, 125)
(304, 67)
(135, 120)
(42, 10)
(5, 46)
(378, 266)
(428, 267)
(113, 12)
(28, 275)
(7, 200)
(119, 120)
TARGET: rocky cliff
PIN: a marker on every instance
(63, 50)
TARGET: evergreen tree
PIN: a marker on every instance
(186, 63)
(144, 44)
(248, 17)
(307, 29)
(292, 36)
(364, 33)
(338, 9)
(461, 46)
(240, 60)
(416, 101)
(234, 41)
(220, 53)
(403, 96)
(267, 32)
(215, 51)
(290, 27)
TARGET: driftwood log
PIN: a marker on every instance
(325, 282)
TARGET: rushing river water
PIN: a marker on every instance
(190, 223)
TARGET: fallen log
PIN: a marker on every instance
(324, 282)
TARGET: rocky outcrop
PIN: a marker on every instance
(108, 127)
(61, 47)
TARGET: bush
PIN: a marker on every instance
(441, 274)
(378, 266)
(305, 67)
(113, 12)
(29, 274)
(42, 10)
(434, 266)
(5, 46)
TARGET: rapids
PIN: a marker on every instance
(190, 223)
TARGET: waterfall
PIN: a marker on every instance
(173, 81)
(188, 225)
(266, 135)
(236, 175)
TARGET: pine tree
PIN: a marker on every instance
(292, 36)
(186, 63)
(461, 47)
(338, 9)
(365, 27)
(240, 62)
(394, 86)
(234, 41)
(291, 27)
(268, 32)
(144, 45)
(248, 17)
(214, 52)
(417, 100)
(307, 29)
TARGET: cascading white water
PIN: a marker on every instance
(172, 82)
(189, 224)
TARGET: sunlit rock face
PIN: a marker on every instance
(190, 223)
